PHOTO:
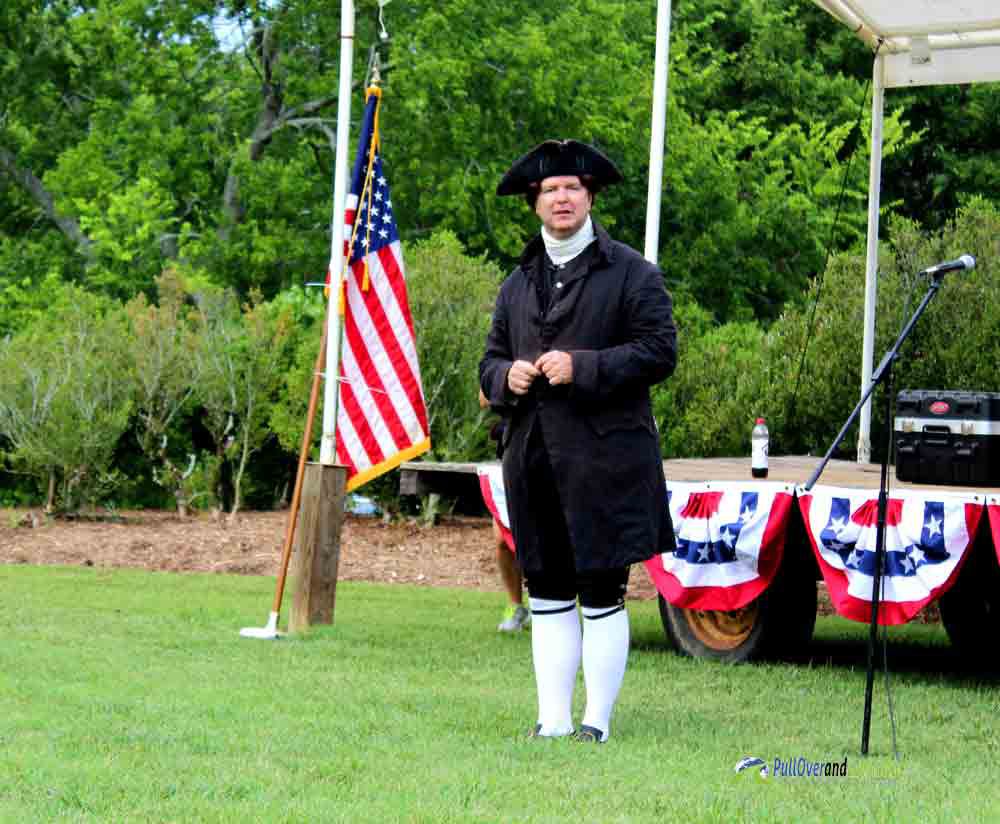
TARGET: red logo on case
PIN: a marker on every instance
(940, 407)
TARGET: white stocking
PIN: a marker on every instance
(605, 652)
(555, 648)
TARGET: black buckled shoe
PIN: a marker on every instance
(536, 733)
(589, 735)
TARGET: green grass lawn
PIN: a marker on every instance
(129, 696)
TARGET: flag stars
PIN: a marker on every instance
(727, 537)
(382, 233)
(933, 526)
(746, 514)
(703, 553)
(907, 565)
(917, 554)
(387, 218)
(838, 525)
(378, 196)
(381, 181)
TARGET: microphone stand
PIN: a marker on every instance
(882, 373)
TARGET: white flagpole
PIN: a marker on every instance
(655, 188)
(328, 447)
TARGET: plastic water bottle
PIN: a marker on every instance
(758, 449)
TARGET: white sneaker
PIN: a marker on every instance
(515, 618)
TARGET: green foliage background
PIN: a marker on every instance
(196, 138)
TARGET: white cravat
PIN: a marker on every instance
(563, 251)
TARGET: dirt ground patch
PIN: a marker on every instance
(456, 552)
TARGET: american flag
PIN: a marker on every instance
(730, 542)
(381, 414)
(927, 538)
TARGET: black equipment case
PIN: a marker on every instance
(948, 437)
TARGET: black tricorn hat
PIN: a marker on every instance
(556, 158)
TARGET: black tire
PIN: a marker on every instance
(970, 610)
(778, 623)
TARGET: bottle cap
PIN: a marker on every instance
(760, 420)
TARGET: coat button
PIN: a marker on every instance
(558, 284)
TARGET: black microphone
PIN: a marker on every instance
(966, 262)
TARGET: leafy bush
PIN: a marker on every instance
(707, 407)
(728, 374)
(955, 345)
(452, 297)
(63, 403)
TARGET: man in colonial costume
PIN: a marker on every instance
(582, 329)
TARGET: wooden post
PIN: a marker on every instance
(317, 546)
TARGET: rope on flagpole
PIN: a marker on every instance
(366, 190)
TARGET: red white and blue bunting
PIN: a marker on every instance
(731, 539)
(927, 538)
(993, 506)
(495, 498)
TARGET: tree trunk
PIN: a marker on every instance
(34, 187)
(238, 477)
(50, 499)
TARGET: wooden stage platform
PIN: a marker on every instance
(459, 481)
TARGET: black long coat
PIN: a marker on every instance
(613, 316)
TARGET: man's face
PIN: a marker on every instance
(563, 205)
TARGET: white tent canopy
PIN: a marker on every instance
(917, 43)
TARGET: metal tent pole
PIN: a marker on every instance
(871, 265)
(655, 190)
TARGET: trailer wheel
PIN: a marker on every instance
(724, 636)
(777, 623)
